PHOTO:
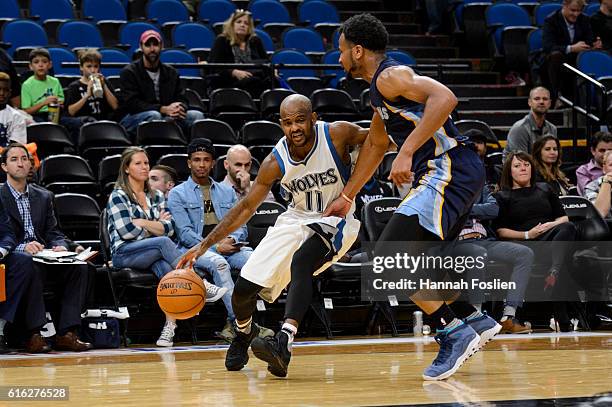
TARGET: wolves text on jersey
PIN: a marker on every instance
(309, 181)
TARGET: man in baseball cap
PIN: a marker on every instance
(152, 90)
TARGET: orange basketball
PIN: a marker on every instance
(181, 294)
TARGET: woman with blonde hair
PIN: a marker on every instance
(547, 160)
(239, 44)
(140, 226)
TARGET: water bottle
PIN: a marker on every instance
(53, 112)
(97, 89)
(417, 321)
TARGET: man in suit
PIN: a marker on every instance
(21, 283)
(566, 33)
(31, 216)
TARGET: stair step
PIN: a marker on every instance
(483, 91)
(363, 5)
(412, 40)
(403, 28)
(493, 103)
(481, 65)
(432, 52)
(507, 117)
(384, 16)
(464, 77)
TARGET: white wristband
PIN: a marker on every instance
(526, 235)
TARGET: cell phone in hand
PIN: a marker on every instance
(240, 244)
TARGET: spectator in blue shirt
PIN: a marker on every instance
(197, 206)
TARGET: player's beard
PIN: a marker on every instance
(353, 69)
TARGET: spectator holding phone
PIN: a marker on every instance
(197, 205)
(565, 34)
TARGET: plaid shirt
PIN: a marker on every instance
(23, 204)
(591, 191)
(121, 211)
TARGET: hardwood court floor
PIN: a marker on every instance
(357, 372)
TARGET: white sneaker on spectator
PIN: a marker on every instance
(214, 293)
(167, 335)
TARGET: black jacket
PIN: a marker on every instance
(601, 25)
(221, 52)
(138, 92)
(43, 217)
(7, 236)
(555, 36)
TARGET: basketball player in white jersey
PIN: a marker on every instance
(312, 163)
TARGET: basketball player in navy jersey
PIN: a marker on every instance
(446, 175)
(312, 163)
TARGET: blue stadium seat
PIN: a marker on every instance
(215, 11)
(331, 57)
(401, 56)
(166, 11)
(266, 40)
(501, 15)
(543, 11)
(595, 63)
(292, 56)
(51, 10)
(534, 40)
(591, 9)
(9, 10)
(461, 6)
(270, 11)
(317, 11)
(113, 55)
(23, 33)
(59, 55)
(104, 10)
(471, 17)
(303, 39)
(336, 38)
(109, 15)
(192, 35)
(129, 34)
(179, 56)
(75, 34)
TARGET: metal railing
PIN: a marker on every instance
(590, 85)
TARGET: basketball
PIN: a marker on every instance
(181, 294)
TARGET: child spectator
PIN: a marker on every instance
(41, 89)
(12, 123)
(80, 97)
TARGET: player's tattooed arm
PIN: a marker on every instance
(439, 102)
(269, 172)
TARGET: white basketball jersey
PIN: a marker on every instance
(312, 184)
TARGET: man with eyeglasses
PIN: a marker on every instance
(197, 206)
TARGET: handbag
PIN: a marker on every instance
(101, 332)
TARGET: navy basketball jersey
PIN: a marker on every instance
(401, 117)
